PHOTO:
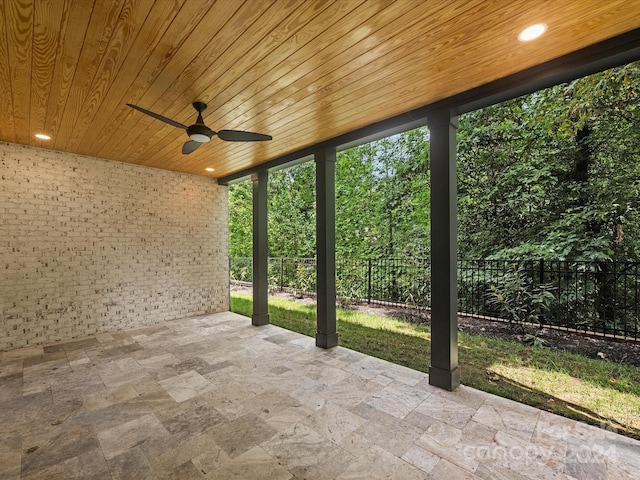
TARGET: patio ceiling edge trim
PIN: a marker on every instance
(610, 53)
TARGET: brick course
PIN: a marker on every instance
(90, 245)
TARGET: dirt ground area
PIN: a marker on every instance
(627, 352)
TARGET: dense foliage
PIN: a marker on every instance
(555, 175)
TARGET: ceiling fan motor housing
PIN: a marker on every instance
(200, 133)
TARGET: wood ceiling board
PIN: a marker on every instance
(150, 35)
(71, 34)
(47, 18)
(103, 20)
(202, 72)
(6, 100)
(267, 37)
(255, 82)
(303, 71)
(127, 35)
(19, 47)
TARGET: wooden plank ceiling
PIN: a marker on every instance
(302, 71)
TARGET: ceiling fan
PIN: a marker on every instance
(199, 133)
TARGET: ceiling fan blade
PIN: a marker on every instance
(240, 136)
(158, 116)
(189, 146)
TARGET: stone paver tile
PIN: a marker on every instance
(242, 434)
(269, 403)
(306, 454)
(334, 422)
(21, 353)
(536, 461)
(285, 419)
(446, 410)
(397, 399)
(185, 386)
(120, 438)
(109, 396)
(255, 464)
(54, 444)
(190, 418)
(490, 470)
(186, 471)
(509, 418)
(447, 442)
(11, 368)
(379, 464)
(446, 469)
(391, 433)
(131, 464)
(213, 397)
(10, 457)
(89, 465)
(419, 457)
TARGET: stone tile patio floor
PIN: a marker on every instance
(213, 397)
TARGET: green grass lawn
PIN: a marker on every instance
(593, 391)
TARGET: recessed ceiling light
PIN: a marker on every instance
(209, 169)
(42, 136)
(532, 32)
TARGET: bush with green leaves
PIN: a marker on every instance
(518, 300)
(305, 279)
(241, 269)
(351, 282)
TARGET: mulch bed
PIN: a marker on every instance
(607, 350)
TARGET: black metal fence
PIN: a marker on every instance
(595, 297)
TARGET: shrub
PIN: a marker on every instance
(518, 300)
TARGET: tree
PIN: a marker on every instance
(291, 209)
(240, 220)
(554, 174)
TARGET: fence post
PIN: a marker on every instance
(369, 282)
(541, 269)
(281, 273)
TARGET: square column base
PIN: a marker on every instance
(324, 340)
(258, 320)
(448, 380)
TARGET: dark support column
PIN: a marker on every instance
(260, 249)
(443, 370)
(326, 336)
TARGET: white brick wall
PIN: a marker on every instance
(90, 245)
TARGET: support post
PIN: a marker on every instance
(443, 370)
(326, 336)
(260, 250)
